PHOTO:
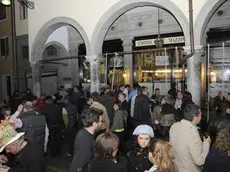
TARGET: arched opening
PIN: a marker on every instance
(130, 29)
(217, 61)
(56, 51)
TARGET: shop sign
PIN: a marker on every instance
(169, 40)
(162, 60)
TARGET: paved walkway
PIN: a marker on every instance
(58, 164)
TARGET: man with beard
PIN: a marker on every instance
(84, 141)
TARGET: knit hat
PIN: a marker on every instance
(144, 129)
(7, 134)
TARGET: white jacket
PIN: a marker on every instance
(189, 151)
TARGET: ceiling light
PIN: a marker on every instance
(6, 2)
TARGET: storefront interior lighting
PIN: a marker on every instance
(164, 71)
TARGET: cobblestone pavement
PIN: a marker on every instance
(58, 164)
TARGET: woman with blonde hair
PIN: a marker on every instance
(161, 155)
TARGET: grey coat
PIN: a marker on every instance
(119, 120)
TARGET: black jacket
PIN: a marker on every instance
(141, 109)
(107, 101)
(72, 114)
(29, 159)
(83, 149)
(217, 161)
(34, 126)
(138, 161)
(53, 114)
(103, 165)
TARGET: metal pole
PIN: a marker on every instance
(177, 67)
(208, 78)
(223, 56)
(114, 63)
(106, 69)
(166, 75)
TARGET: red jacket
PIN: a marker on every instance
(41, 104)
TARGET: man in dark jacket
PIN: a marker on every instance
(107, 101)
(71, 112)
(84, 141)
(142, 109)
(34, 126)
(54, 121)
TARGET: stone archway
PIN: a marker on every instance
(113, 14)
(203, 18)
(123, 6)
(38, 45)
(61, 48)
(55, 23)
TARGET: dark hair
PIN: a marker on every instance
(157, 89)
(136, 86)
(49, 99)
(228, 94)
(95, 96)
(222, 108)
(111, 94)
(33, 98)
(123, 94)
(127, 86)
(91, 115)
(187, 96)
(142, 89)
(190, 111)
(106, 144)
(118, 103)
(4, 109)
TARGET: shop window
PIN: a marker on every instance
(25, 52)
(24, 12)
(4, 47)
(3, 12)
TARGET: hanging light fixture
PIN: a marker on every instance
(6, 2)
(159, 42)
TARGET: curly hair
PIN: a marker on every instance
(162, 155)
(223, 140)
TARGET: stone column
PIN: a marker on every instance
(194, 75)
(95, 83)
(74, 65)
(36, 78)
(128, 59)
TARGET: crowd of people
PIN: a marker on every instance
(119, 130)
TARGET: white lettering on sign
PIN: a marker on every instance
(169, 40)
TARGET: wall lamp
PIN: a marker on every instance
(27, 3)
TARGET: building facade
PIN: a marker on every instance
(93, 20)
(22, 45)
(6, 53)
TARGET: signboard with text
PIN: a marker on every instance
(169, 40)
